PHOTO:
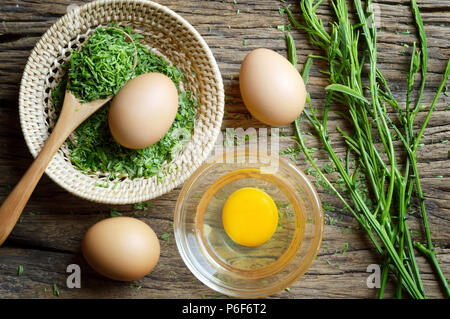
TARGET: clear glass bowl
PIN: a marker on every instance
(232, 269)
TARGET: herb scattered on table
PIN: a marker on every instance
(166, 237)
(141, 206)
(293, 152)
(20, 270)
(56, 290)
(347, 48)
(115, 213)
(138, 287)
(345, 248)
(328, 207)
(92, 147)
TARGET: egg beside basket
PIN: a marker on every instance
(168, 35)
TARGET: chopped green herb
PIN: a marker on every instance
(90, 73)
(55, 290)
(20, 270)
(330, 220)
(284, 27)
(328, 207)
(115, 213)
(292, 151)
(141, 206)
(329, 168)
(92, 147)
(281, 205)
(166, 237)
(345, 248)
(135, 286)
(102, 185)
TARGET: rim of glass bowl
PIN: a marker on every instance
(191, 261)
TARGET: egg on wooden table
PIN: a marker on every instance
(143, 110)
(121, 248)
(271, 87)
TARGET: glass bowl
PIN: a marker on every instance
(240, 271)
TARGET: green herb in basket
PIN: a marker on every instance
(102, 65)
(92, 148)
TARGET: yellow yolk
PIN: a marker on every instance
(250, 216)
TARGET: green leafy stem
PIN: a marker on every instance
(348, 48)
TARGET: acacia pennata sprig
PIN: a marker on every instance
(348, 47)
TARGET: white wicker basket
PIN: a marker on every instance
(167, 33)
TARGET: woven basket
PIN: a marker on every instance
(165, 32)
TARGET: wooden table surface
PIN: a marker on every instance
(53, 223)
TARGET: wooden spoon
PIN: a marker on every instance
(73, 113)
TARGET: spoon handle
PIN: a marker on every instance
(14, 204)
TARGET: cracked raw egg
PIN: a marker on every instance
(250, 216)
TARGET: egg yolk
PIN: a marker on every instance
(250, 217)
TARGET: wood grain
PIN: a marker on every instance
(47, 239)
(72, 115)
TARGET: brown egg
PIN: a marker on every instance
(271, 87)
(121, 248)
(143, 110)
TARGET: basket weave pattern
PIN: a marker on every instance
(167, 34)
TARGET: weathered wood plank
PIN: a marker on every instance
(54, 222)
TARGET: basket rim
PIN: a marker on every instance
(200, 158)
